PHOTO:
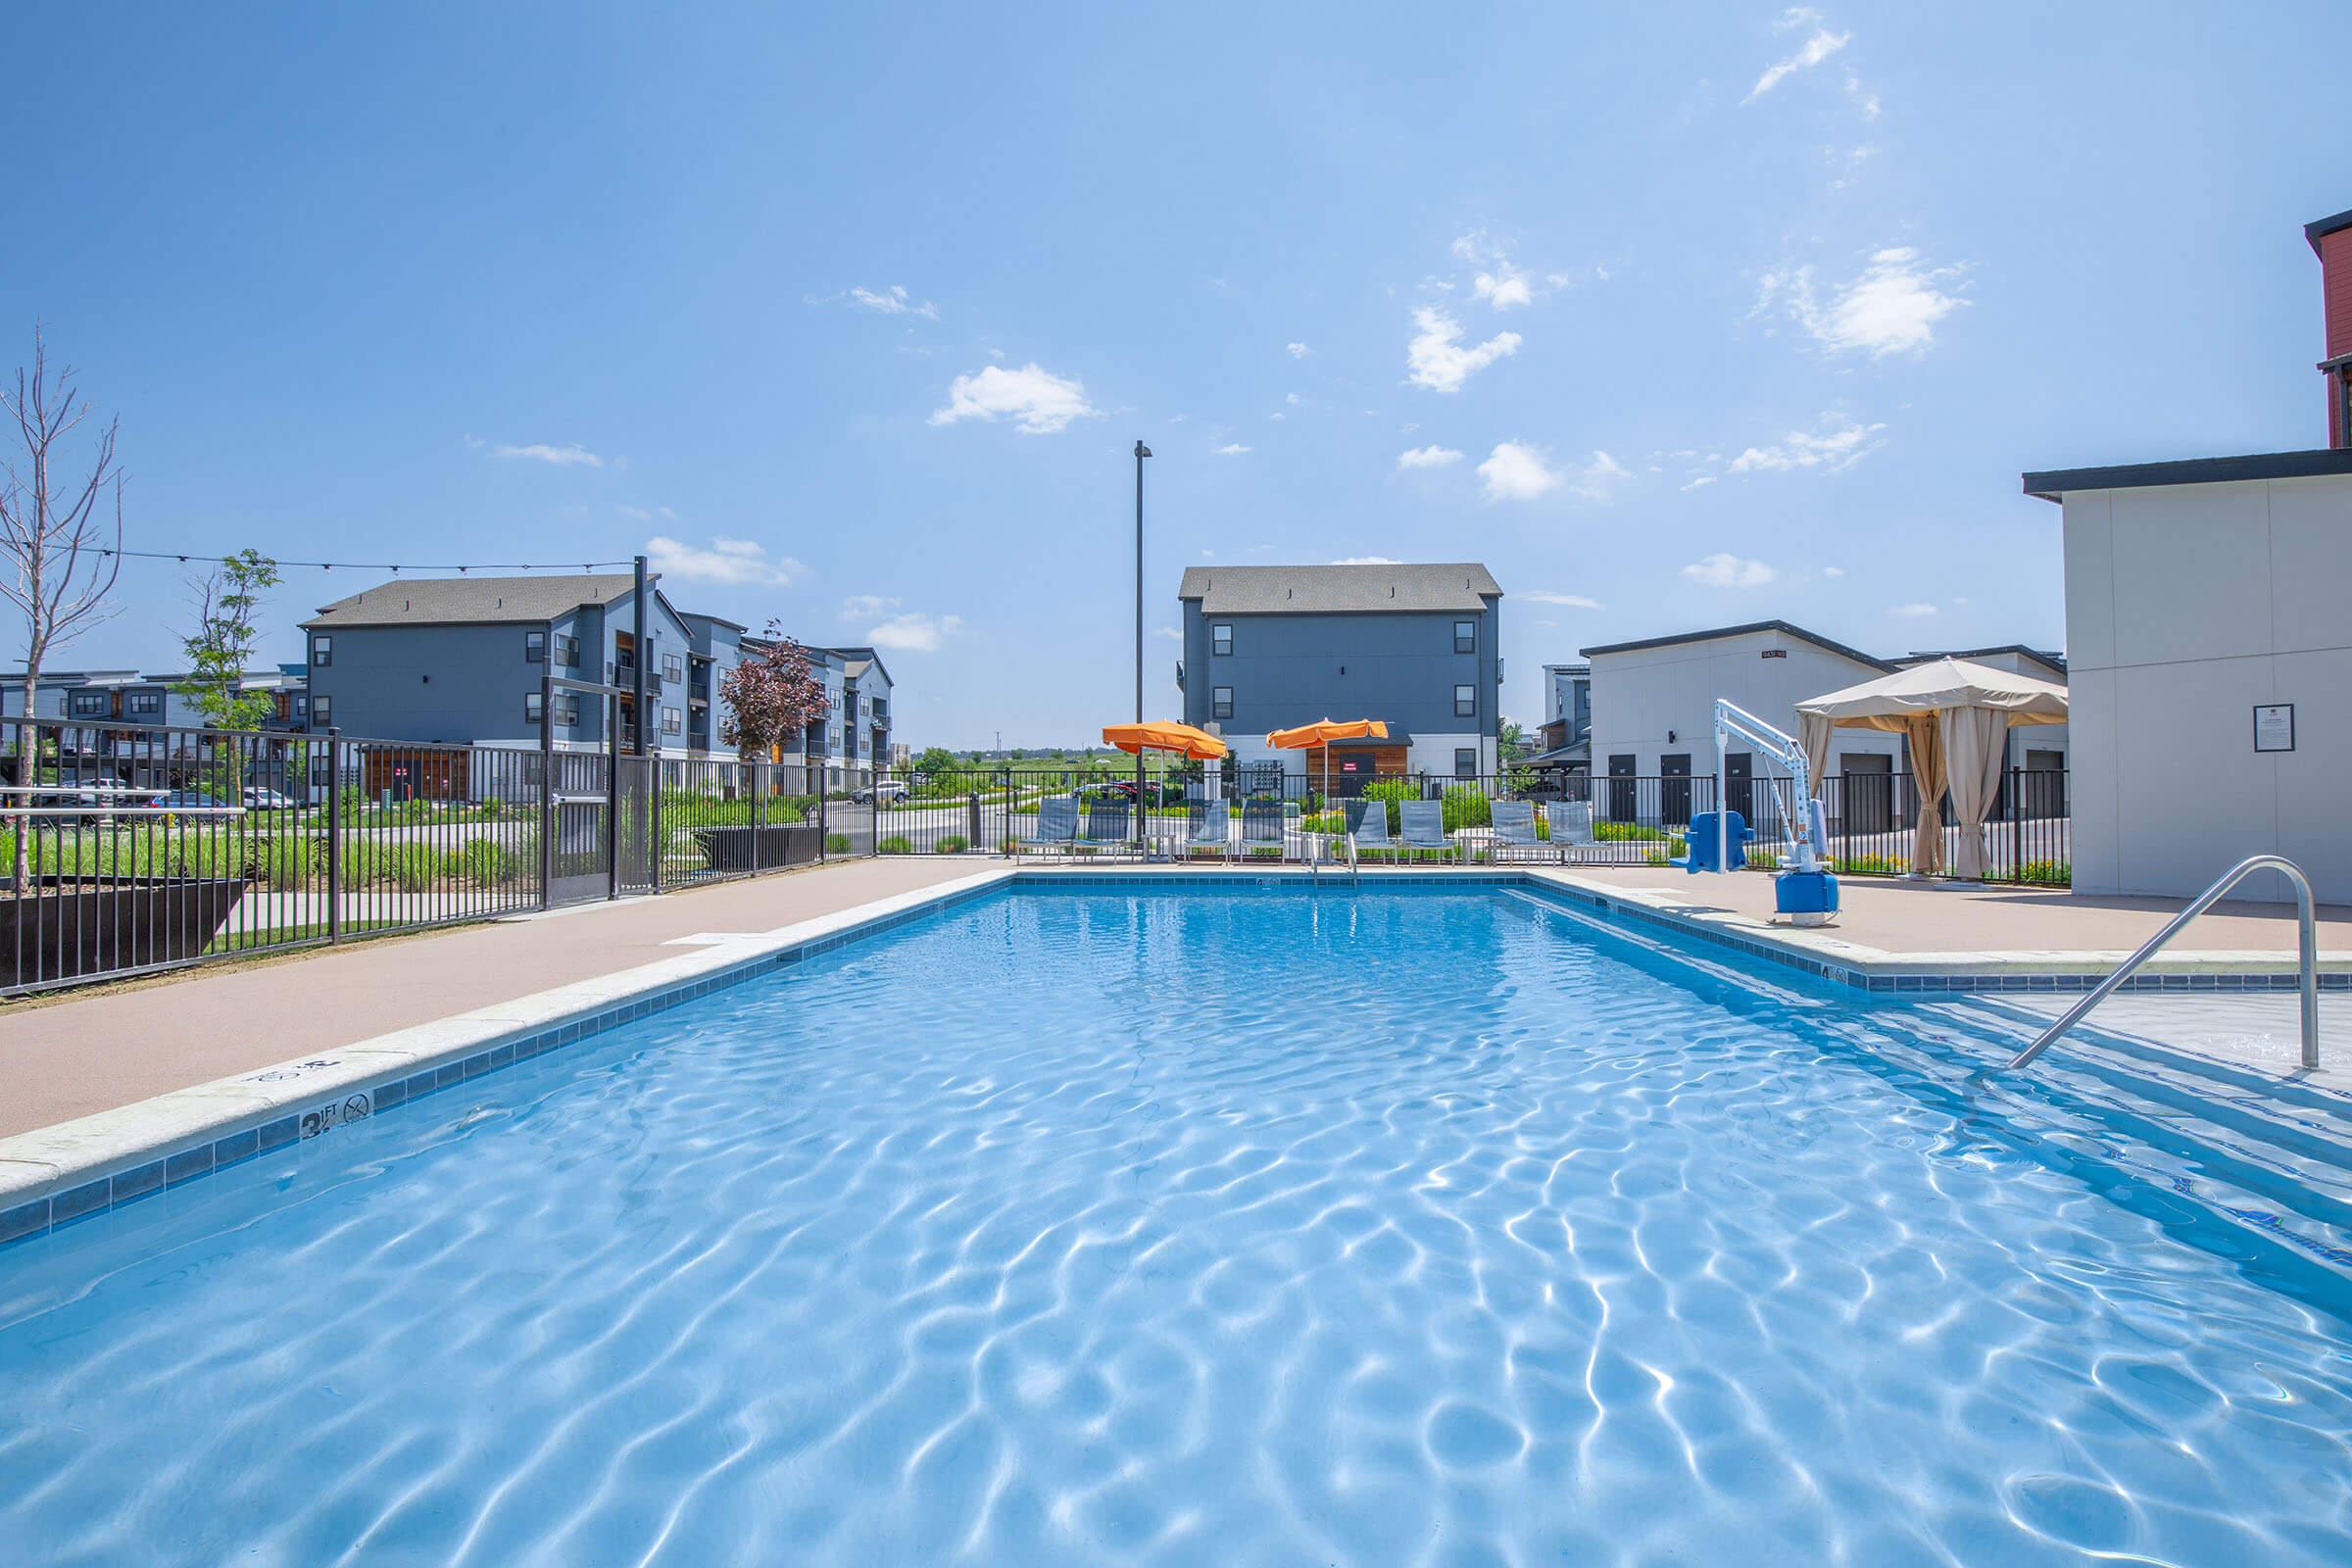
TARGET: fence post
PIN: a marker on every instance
(2017, 827)
(546, 792)
(335, 834)
(653, 823)
(974, 835)
(823, 850)
(613, 808)
(760, 780)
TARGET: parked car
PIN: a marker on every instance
(184, 801)
(257, 799)
(888, 792)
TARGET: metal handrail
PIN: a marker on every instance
(2308, 944)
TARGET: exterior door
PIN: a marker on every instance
(1740, 784)
(1624, 793)
(1674, 789)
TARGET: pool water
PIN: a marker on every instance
(1261, 1227)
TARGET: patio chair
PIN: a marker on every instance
(1056, 826)
(1262, 825)
(1571, 825)
(1106, 824)
(1514, 831)
(1371, 830)
(1424, 824)
(1209, 826)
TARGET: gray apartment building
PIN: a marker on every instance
(1417, 647)
(851, 744)
(460, 659)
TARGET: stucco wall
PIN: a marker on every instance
(1639, 696)
(2187, 606)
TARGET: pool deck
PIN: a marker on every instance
(83, 1054)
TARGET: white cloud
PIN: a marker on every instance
(1437, 357)
(1039, 402)
(1169, 633)
(1598, 479)
(913, 632)
(1506, 289)
(1812, 52)
(1232, 448)
(1832, 448)
(1297, 351)
(1911, 610)
(1723, 570)
(1891, 308)
(866, 607)
(570, 456)
(1366, 560)
(1568, 600)
(1428, 457)
(1513, 472)
(894, 301)
(1833, 571)
(737, 560)
(1701, 482)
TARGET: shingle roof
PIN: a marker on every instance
(1338, 590)
(443, 600)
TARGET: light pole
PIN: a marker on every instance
(1141, 452)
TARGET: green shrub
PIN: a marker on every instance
(838, 844)
(1874, 866)
(1466, 806)
(416, 867)
(1619, 832)
(286, 861)
(952, 844)
(1324, 822)
(896, 844)
(489, 864)
(2047, 873)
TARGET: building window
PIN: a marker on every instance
(323, 710)
(1465, 636)
(534, 647)
(146, 704)
(531, 710)
(671, 723)
(322, 650)
(568, 651)
(87, 704)
(1220, 701)
(1220, 639)
(1465, 762)
(671, 669)
(1465, 702)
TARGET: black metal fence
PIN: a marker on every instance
(1634, 820)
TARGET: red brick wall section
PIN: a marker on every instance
(2335, 289)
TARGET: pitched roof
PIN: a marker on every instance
(1338, 590)
(483, 601)
(2043, 657)
(1784, 629)
(2054, 484)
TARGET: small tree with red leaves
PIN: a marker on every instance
(770, 697)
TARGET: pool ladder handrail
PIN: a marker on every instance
(2307, 942)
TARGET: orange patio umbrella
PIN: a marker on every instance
(1165, 735)
(1322, 732)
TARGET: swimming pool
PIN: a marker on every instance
(1222, 1226)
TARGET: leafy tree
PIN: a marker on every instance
(228, 603)
(770, 697)
(937, 759)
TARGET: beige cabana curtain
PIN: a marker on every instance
(1956, 714)
(1975, 748)
(1927, 772)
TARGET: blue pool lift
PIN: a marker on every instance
(1717, 840)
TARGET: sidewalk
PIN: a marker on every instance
(93, 1051)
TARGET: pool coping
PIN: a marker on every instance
(54, 1176)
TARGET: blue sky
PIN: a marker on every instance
(1674, 316)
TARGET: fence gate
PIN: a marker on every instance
(580, 852)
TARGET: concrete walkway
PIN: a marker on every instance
(83, 1052)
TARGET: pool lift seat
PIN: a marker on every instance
(1717, 841)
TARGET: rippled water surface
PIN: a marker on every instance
(1407, 1227)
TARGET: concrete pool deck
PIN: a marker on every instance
(67, 1057)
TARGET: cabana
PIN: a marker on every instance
(1956, 715)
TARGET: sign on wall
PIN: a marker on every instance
(2275, 727)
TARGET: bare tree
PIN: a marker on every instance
(51, 532)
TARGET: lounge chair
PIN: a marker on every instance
(1571, 825)
(1056, 826)
(1424, 824)
(1211, 827)
(1106, 824)
(1514, 831)
(1371, 830)
(1262, 825)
